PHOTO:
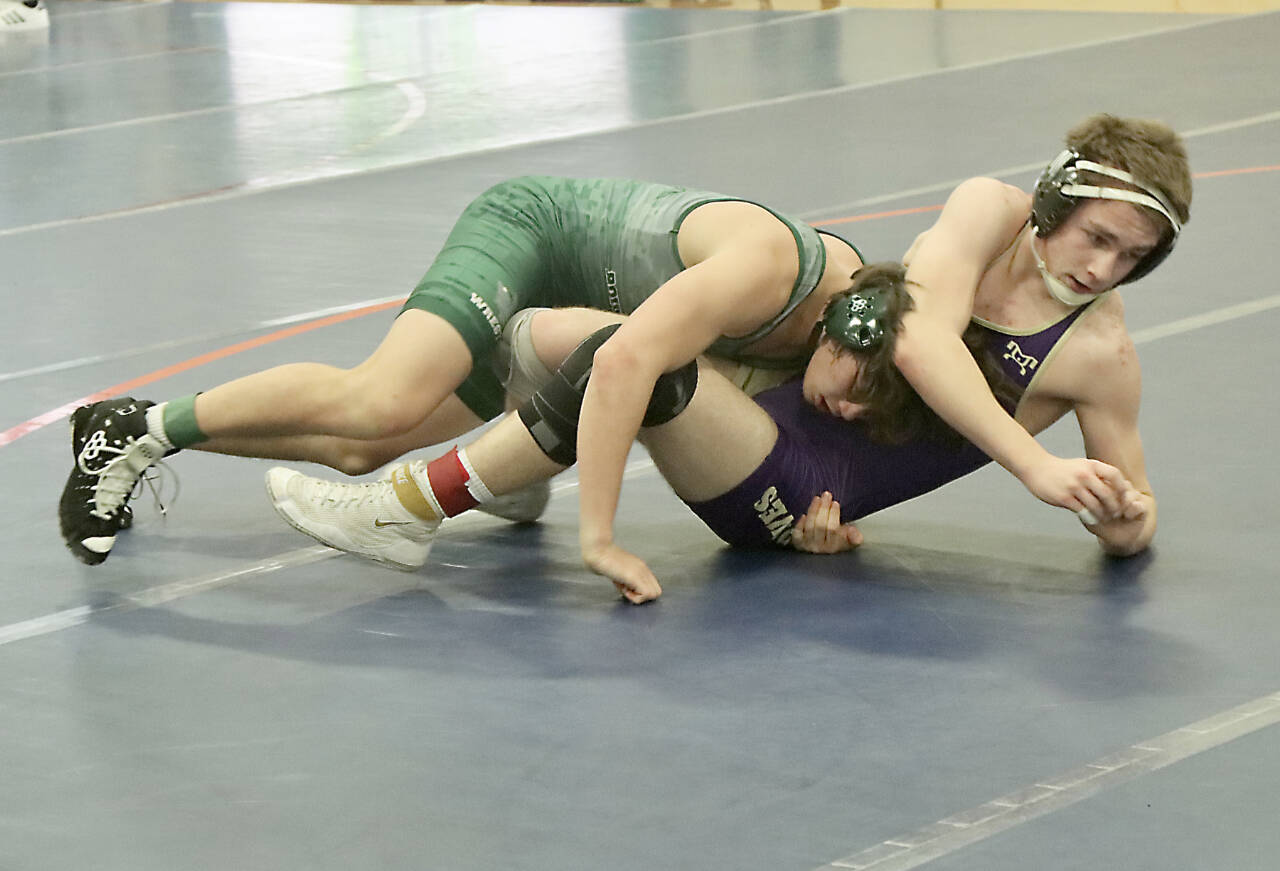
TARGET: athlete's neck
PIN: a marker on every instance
(1012, 292)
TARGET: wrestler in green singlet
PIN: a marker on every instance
(598, 243)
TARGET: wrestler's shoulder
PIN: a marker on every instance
(991, 192)
(1101, 342)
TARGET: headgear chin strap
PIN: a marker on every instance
(1056, 286)
(858, 321)
(1059, 189)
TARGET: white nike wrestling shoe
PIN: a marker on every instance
(16, 15)
(364, 519)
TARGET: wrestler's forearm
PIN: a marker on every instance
(944, 373)
(612, 409)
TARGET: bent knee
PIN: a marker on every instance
(355, 463)
(386, 418)
(351, 457)
(378, 408)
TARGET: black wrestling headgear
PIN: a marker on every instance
(858, 320)
(1059, 189)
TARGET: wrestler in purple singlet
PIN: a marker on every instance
(816, 451)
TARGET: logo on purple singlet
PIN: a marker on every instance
(1020, 359)
(774, 515)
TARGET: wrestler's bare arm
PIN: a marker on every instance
(1104, 382)
(715, 442)
(738, 286)
(980, 220)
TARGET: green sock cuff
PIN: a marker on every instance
(180, 422)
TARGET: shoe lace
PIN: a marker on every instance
(341, 495)
(156, 477)
(95, 447)
(118, 481)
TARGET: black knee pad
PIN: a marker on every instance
(551, 416)
(671, 394)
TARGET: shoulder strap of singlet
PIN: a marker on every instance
(729, 347)
(799, 291)
(856, 250)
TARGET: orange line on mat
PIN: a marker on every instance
(14, 433)
(1248, 169)
(874, 215)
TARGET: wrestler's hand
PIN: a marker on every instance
(819, 529)
(1133, 509)
(1080, 484)
(627, 571)
(1135, 506)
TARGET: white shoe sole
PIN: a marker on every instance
(407, 558)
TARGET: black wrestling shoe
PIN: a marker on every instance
(81, 432)
(112, 449)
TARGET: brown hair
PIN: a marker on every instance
(1148, 150)
(892, 410)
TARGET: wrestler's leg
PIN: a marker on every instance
(711, 444)
(709, 447)
(506, 457)
(715, 443)
(421, 361)
(556, 332)
(394, 521)
(491, 265)
(438, 346)
(354, 456)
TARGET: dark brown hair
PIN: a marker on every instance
(892, 410)
(1149, 151)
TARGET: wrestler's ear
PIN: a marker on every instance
(850, 410)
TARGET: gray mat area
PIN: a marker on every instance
(178, 178)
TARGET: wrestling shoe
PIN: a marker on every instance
(23, 15)
(367, 520)
(80, 434)
(112, 450)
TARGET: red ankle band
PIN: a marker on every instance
(448, 479)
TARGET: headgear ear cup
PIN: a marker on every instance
(1059, 189)
(1049, 206)
(1151, 261)
(858, 320)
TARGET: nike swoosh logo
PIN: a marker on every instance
(381, 523)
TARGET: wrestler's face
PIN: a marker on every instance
(1099, 244)
(829, 380)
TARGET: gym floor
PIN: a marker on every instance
(191, 192)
